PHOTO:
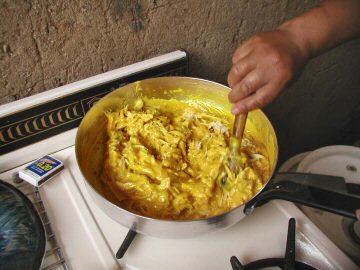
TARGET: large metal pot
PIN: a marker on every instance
(90, 152)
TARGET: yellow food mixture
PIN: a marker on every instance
(169, 159)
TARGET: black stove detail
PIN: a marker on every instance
(287, 263)
(126, 243)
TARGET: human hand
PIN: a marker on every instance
(262, 67)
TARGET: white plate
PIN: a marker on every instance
(291, 164)
(337, 160)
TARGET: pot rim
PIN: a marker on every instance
(216, 217)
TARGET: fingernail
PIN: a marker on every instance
(235, 110)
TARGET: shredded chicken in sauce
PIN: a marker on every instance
(169, 159)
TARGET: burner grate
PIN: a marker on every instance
(53, 258)
(287, 263)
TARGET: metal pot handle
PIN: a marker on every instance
(329, 193)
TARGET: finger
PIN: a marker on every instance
(252, 82)
(240, 69)
(259, 99)
(241, 52)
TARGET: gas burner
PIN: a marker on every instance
(265, 263)
(345, 232)
(287, 263)
(354, 231)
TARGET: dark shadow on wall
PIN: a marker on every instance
(323, 107)
(118, 9)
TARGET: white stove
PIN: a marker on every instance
(89, 239)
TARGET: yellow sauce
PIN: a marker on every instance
(169, 159)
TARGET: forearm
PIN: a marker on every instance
(325, 26)
(265, 64)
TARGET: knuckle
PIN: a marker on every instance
(261, 100)
(235, 57)
(276, 57)
(237, 54)
(281, 62)
(238, 69)
(258, 38)
(283, 65)
(246, 88)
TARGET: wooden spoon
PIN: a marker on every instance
(235, 141)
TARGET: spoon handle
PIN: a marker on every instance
(235, 140)
(239, 125)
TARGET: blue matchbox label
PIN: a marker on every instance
(44, 165)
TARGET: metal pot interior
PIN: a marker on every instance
(91, 137)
